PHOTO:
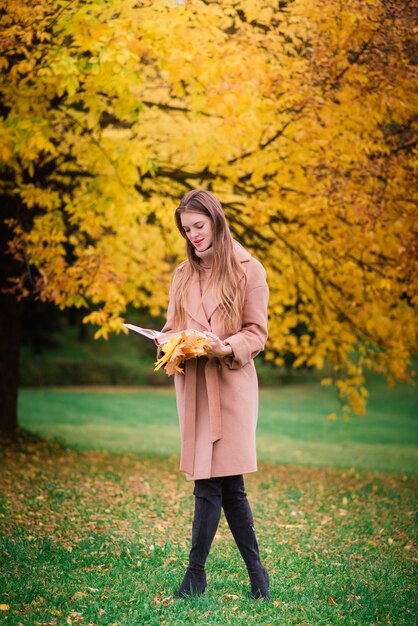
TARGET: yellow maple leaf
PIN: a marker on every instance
(180, 349)
(167, 350)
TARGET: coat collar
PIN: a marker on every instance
(241, 253)
(195, 307)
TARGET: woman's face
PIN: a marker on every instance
(199, 229)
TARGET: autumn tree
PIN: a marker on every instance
(300, 116)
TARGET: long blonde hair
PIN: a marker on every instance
(226, 272)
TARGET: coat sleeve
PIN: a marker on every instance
(251, 338)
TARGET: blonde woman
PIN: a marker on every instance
(220, 290)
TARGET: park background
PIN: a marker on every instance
(301, 117)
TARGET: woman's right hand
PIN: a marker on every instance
(217, 348)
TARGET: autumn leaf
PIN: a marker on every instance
(78, 595)
(168, 350)
(179, 349)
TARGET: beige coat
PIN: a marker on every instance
(217, 398)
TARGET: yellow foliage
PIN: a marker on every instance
(326, 382)
(301, 118)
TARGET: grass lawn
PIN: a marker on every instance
(96, 531)
(94, 538)
(293, 427)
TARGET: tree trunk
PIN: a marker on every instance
(10, 324)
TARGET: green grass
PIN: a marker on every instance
(97, 532)
(96, 539)
(292, 424)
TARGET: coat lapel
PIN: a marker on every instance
(210, 302)
(194, 306)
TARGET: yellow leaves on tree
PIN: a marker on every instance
(73, 157)
(300, 116)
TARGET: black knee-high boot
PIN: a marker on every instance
(208, 506)
(240, 520)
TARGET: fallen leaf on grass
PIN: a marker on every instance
(231, 596)
(332, 600)
(78, 595)
(4, 607)
(291, 525)
(159, 600)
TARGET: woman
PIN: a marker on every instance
(220, 290)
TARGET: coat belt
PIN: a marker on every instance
(214, 403)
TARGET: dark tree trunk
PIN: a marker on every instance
(10, 324)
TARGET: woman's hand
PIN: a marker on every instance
(217, 348)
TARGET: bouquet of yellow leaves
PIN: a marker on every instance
(180, 349)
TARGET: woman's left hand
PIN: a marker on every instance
(217, 348)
